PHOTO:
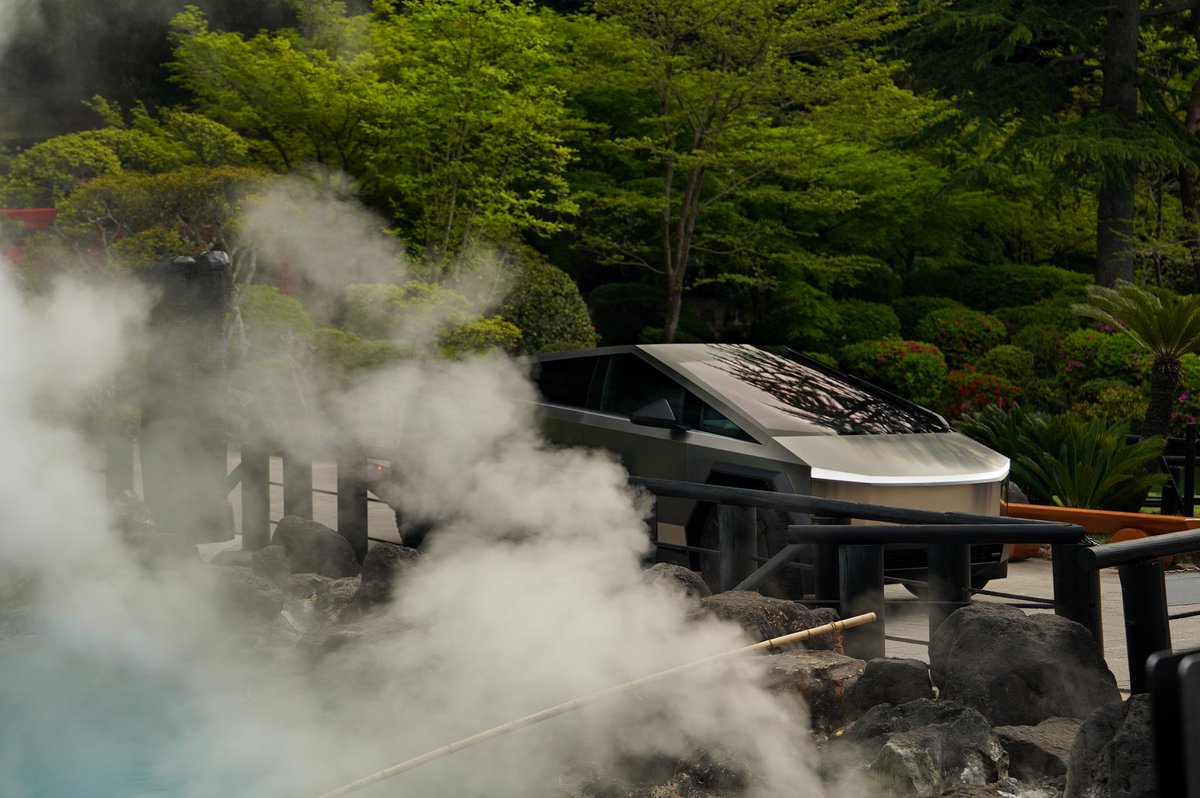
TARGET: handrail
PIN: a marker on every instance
(1130, 551)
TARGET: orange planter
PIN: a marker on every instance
(1102, 522)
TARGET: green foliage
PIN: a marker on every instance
(1109, 400)
(478, 336)
(961, 335)
(914, 370)
(1091, 354)
(1011, 362)
(1050, 313)
(968, 390)
(621, 310)
(1045, 342)
(913, 309)
(1068, 461)
(47, 172)
(544, 303)
(856, 277)
(802, 317)
(273, 324)
(991, 286)
(344, 354)
(859, 320)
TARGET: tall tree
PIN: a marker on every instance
(730, 84)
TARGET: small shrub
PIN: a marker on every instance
(545, 304)
(1052, 315)
(272, 323)
(861, 277)
(961, 335)
(969, 390)
(988, 287)
(866, 321)
(802, 317)
(479, 335)
(914, 370)
(1091, 354)
(912, 309)
(1111, 401)
(1045, 343)
(1008, 361)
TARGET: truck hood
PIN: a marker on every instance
(941, 458)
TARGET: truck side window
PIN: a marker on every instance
(631, 384)
(566, 381)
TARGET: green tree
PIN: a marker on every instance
(1168, 327)
(471, 138)
(728, 88)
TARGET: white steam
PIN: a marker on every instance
(531, 594)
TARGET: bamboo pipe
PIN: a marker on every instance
(560, 709)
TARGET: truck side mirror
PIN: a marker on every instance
(658, 413)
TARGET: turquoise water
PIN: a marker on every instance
(74, 726)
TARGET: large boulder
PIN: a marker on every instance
(314, 548)
(676, 577)
(820, 678)
(1113, 754)
(888, 681)
(273, 564)
(923, 748)
(1019, 669)
(249, 596)
(764, 618)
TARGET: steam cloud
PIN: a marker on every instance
(531, 594)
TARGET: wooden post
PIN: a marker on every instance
(256, 494)
(738, 543)
(297, 485)
(949, 567)
(862, 592)
(1147, 629)
(1076, 589)
(352, 501)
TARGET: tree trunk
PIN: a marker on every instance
(1114, 216)
(1187, 190)
(1165, 375)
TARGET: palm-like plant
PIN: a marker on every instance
(1167, 328)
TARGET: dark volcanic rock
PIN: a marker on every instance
(1113, 753)
(888, 681)
(315, 548)
(272, 563)
(677, 577)
(820, 678)
(249, 595)
(384, 564)
(924, 747)
(764, 618)
(1039, 751)
(236, 557)
(1019, 670)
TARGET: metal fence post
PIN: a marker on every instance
(1147, 629)
(256, 494)
(1189, 470)
(352, 501)
(1076, 589)
(118, 461)
(861, 591)
(297, 486)
(827, 577)
(737, 542)
(949, 566)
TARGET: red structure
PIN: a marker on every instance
(17, 223)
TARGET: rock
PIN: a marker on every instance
(383, 565)
(249, 595)
(156, 548)
(924, 747)
(888, 681)
(315, 548)
(676, 577)
(130, 515)
(306, 586)
(1041, 751)
(334, 597)
(272, 563)
(820, 678)
(764, 618)
(1019, 670)
(1112, 756)
(235, 557)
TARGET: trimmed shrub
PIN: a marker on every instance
(479, 335)
(914, 370)
(545, 304)
(1045, 342)
(990, 286)
(1091, 354)
(912, 309)
(1054, 315)
(860, 277)
(802, 317)
(1112, 401)
(961, 335)
(345, 353)
(272, 323)
(866, 321)
(968, 390)
(1008, 361)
